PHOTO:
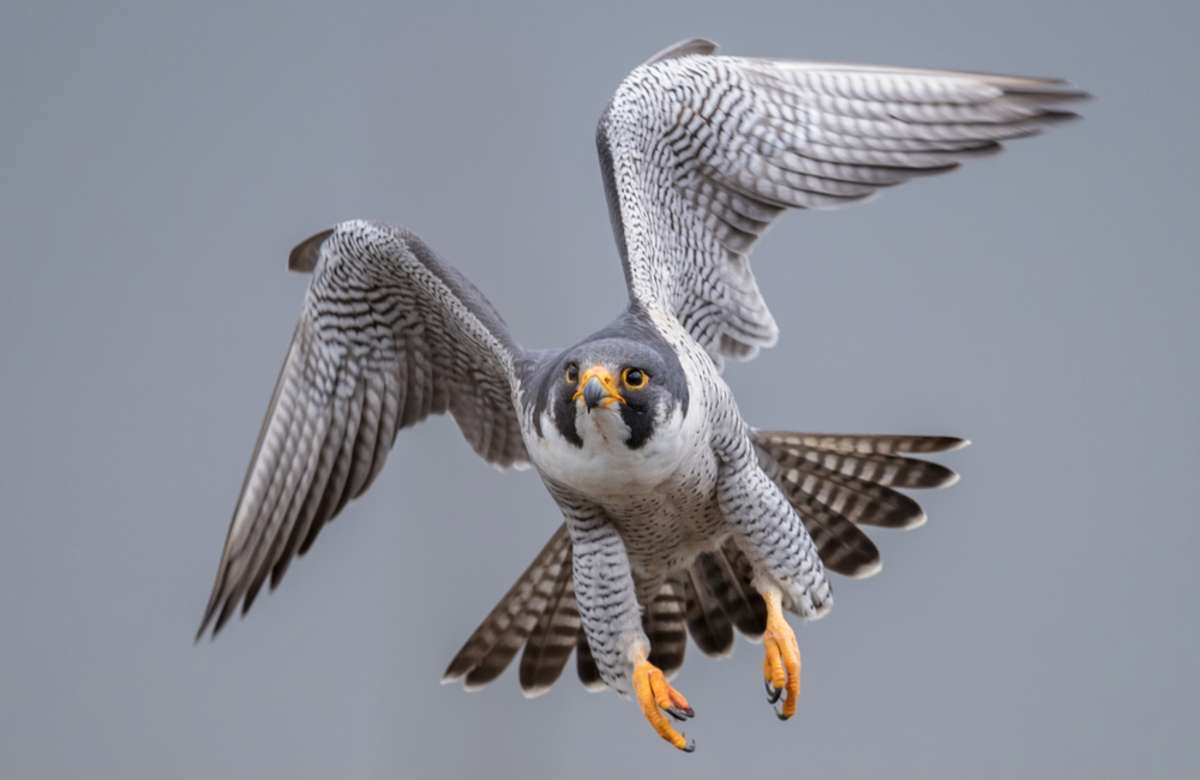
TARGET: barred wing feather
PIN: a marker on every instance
(388, 336)
(700, 153)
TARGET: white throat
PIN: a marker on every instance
(605, 466)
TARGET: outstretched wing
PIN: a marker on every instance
(701, 152)
(388, 336)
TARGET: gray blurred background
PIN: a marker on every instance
(157, 166)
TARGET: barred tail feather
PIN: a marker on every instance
(707, 622)
(838, 482)
(727, 575)
(553, 638)
(880, 444)
(861, 502)
(666, 628)
(721, 595)
(491, 647)
(873, 459)
(754, 623)
(585, 665)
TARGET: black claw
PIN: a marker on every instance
(773, 693)
(681, 713)
(779, 714)
(690, 747)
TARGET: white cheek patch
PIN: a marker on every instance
(605, 466)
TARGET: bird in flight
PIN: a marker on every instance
(678, 516)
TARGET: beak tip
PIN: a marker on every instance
(593, 393)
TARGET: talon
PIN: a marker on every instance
(781, 661)
(680, 713)
(656, 696)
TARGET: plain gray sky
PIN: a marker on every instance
(157, 165)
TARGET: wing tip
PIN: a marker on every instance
(303, 258)
(1054, 117)
(209, 628)
(1047, 91)
(684, 48)
(200, 633)
(210, 611)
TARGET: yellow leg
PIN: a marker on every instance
(655, 695)
(781, 664)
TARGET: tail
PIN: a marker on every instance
(539, 614)
(836, 483)
(541, 603)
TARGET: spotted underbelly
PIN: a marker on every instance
(664, 532)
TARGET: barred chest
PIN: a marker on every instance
(666, 529)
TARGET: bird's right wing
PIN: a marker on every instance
(388, 336)
(701, 152)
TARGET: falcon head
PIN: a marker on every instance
(616, 391)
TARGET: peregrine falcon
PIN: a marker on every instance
(678, 516)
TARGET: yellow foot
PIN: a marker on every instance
(781, 664)
(655, 695)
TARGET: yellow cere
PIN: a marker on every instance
(606, 378)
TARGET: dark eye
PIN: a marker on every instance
(635, 378)
(572, 374)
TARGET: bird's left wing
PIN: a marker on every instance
(388, 336)
(701, 152)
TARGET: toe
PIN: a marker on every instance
(791, 661)
(656, 696)
(781, 670)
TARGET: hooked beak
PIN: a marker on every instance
(597, 388)
(593, 393)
